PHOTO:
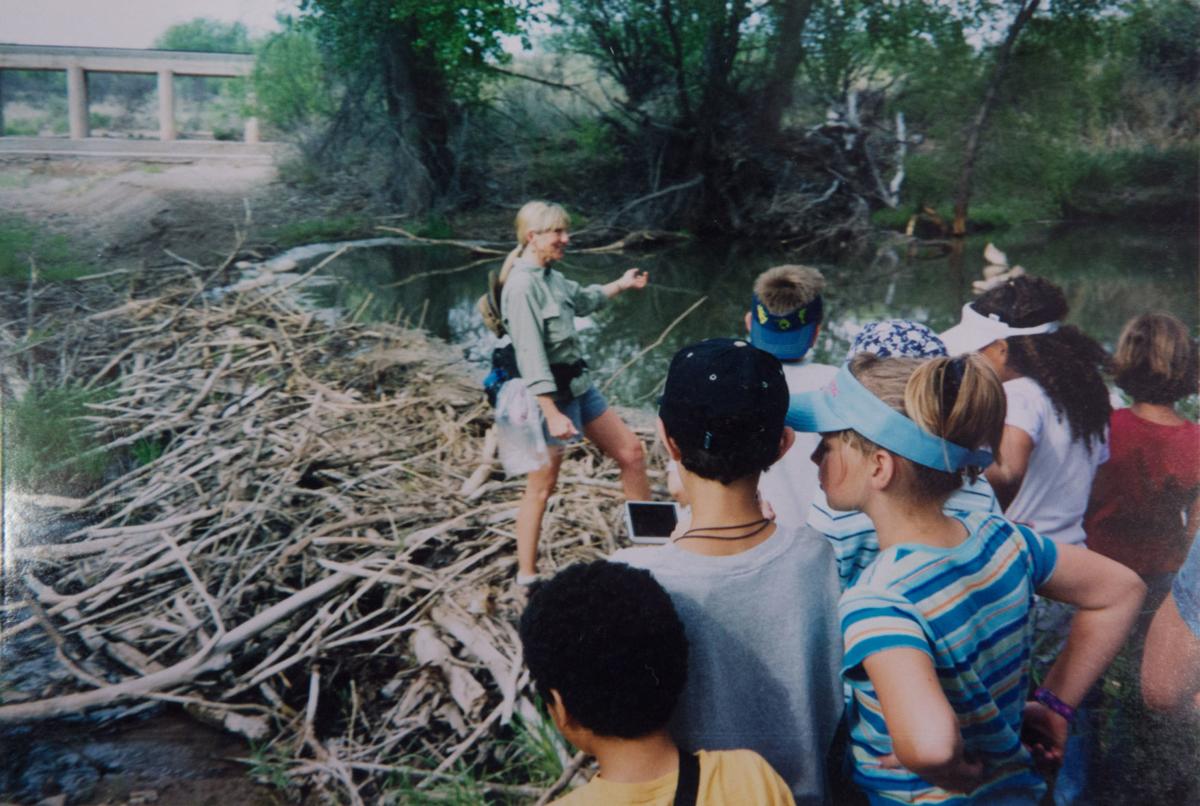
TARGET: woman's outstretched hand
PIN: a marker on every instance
(635, 278)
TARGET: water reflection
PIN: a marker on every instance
(1110, 273)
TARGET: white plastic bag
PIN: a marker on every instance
(521, 443)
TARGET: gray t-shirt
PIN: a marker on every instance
(765, 650)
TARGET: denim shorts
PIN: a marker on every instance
(582, 410)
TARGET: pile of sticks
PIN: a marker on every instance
(316, 552)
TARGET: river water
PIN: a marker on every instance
(1109, 272)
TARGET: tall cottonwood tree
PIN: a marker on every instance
(420, 62)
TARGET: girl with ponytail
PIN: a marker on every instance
(937, 630)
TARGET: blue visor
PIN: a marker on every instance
(785, 337)
(847, 404)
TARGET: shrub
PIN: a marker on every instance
(55, 258)
(1146, 185)
(47, 444)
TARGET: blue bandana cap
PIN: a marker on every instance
(845, 404)
(897, 337)
(786, 337)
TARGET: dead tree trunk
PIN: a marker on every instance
(966, 175)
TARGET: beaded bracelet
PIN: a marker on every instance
(1049, 699)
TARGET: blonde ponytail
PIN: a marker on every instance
(959, 399)
(533, 217)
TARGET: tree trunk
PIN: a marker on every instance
(419, 111)
(681, 94)
(789, 52)
(962, 194)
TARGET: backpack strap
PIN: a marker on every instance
(489, 306)
(689, 780)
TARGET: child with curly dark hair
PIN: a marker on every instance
(608, 654)
(1055, 437)
(1055, 430)
(1152, 478)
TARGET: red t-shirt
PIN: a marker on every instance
(1151, 476)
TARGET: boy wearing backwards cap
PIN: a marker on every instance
(757, 600)
(784, 320)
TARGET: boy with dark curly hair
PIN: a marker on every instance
(608, 655)
(758, 600)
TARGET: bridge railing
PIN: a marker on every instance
(166, 64)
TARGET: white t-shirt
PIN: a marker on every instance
(1054, 493)
(790, 483)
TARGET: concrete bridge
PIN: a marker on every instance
(166, 64)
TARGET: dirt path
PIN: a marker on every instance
(125, 211)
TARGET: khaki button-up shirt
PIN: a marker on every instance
(539, 306)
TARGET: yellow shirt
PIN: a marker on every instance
(727, 778)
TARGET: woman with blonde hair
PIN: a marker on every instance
(538, 306)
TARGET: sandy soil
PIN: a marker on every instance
(124, 212)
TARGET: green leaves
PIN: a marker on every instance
(453, 40)
(206, 35)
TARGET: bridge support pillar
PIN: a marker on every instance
(166, 105)
(77, 102)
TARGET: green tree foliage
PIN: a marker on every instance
(789, 117)
(1087, 93)
(207, 36)
(688, 63)
(291, 83)
(422, 63)
(225, 99)
(705, 86)
(875, 47)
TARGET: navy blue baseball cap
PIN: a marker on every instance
(721, 392)
(786, 337)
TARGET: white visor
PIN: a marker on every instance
(976, 331)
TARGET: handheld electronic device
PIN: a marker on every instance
(650, 521)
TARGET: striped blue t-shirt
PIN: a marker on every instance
(852, 534)
(969, 608)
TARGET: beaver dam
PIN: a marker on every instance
(317, 553)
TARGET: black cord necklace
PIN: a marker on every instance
(760, 524)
